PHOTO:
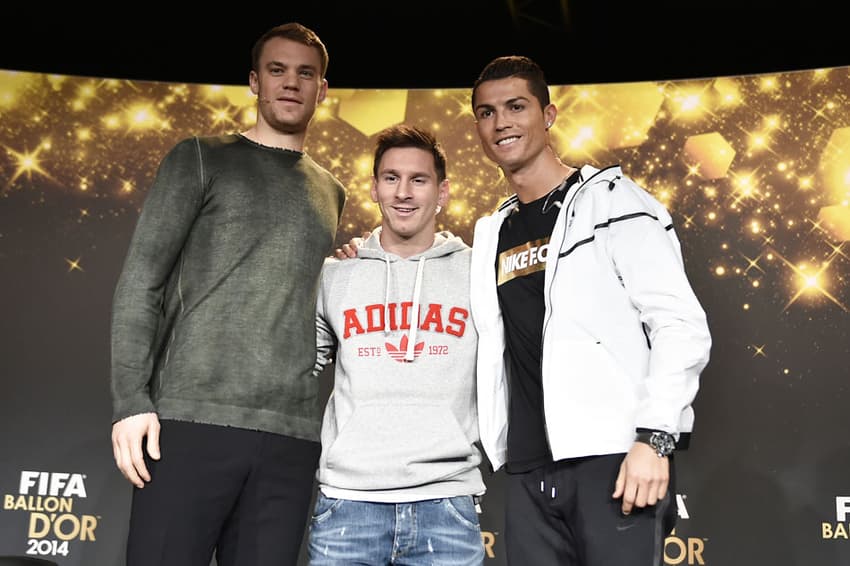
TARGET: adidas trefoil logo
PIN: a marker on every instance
(397, 353)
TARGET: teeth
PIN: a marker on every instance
(507, 140)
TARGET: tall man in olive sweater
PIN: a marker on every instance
(216, 416)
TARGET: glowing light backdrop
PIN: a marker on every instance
(755, 169)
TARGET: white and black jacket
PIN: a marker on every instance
(624, 337)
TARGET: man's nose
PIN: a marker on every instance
(290, 79)
(502, 121)
(403, 190)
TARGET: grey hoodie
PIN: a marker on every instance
(401, 422)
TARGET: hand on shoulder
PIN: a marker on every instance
(349, 250)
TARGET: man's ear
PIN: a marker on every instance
(373, 192)
(549, 115)
(323, 91)
(443, 194)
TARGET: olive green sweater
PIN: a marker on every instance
(213, 315)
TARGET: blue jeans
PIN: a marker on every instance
(438, 532)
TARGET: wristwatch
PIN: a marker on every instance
(662, 442)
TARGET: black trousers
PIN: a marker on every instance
(242, 495)
(563, 514)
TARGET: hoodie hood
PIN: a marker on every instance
(445, 243)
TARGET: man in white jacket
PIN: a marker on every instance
(399, 469)
(591, 341)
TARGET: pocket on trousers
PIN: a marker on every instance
(462, 508)
(325, 507)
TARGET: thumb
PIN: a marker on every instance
(153, 442)
(620, 484)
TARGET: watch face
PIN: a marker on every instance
(663, 443)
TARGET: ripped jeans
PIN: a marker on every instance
(443, 532)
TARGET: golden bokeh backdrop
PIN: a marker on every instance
(756, 169)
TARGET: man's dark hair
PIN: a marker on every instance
(515, 66)
(295, 32)
(403, 135)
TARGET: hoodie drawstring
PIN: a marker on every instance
(414, 324)
(387, 294)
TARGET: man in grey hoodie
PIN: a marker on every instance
(398, 474)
